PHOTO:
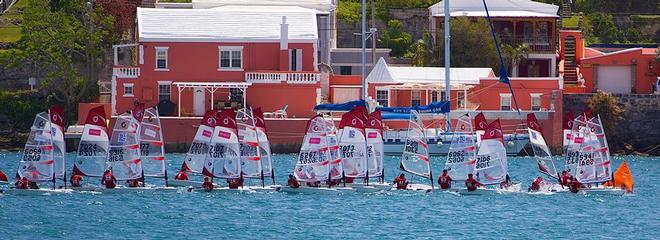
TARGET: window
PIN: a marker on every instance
(164, 90)
(345, 70)
(416, 98)
(161, 58)
(295, 58)
(236, 95)
(383, 97)
(437, 96)
(460, 99)
(505, 102)
(231, 58)
(536, 101)
(128, 90)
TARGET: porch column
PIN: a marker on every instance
(212, 91)
(464, 99)
(244, 96)
(179, 100)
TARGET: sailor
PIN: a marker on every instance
(536, 184)
(3, 177)
(401, 182)
(235, 183)
(207, 185)
(565, 178)
(507, 182)
(313, 184)
(574, 185)
(444, 180)
(348, 179)
(33, 185)
(182, 175)
(292, 182)
(471, 184)
(133, 183)
(75, 180)
(108, 180)
(21, 183)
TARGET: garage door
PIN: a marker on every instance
(345, 94)
(614, 78)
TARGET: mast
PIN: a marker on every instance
(447, 63)
(364, 45)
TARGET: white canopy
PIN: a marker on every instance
(320, 5)
(226, 24)
(496, 8)
(382, 73)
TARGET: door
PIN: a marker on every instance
(199, 102)
(614, 78)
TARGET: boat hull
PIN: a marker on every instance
(316, 190)
(123, 189)
(34, 192)
(513, 146)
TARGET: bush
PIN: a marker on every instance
(20, 107)
(606, 106)
(395, 38)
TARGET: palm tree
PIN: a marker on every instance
(514, 54)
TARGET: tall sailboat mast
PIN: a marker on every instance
(447, 64)
(364, 51)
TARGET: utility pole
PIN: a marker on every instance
(373, 34)
(364, 54)
(447, 64)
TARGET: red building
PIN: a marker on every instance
(200, 59)
(516, 22)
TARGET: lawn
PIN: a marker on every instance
(10, 33)
(571, 22)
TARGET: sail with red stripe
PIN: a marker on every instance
(492, 165)
(152, 148)
(462, 154)
(541, 151)
(36, 164)
(224, 155)
(569, 119)
(264, 143)
(375, 145)
(251, 162)
(575, 148)
(199, 148)
(56, 114)
(93, 146)
(124, 152)
(598, 166)
(415, 157)
(352, 143)
(313, 161)
(336, 166)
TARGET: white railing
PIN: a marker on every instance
(126, 72)
(279, 77)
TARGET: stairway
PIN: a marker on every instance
(570, 65)
(566, 9)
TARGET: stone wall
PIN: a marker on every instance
(640, 127)
(415, 22)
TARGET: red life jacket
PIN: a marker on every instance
(292, 182)
(181, 176)
(471, 185)
(400, 183)
(22, 184)
(444, 181)
(109, 181)
(208, 186)
(3, 177)
(536, 185)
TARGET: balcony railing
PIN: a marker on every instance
(279, 77)
(126, 72)
(536, 43)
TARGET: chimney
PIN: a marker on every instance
(284, 34)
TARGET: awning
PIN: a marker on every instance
(211, 87)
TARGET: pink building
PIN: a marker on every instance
(200, 59)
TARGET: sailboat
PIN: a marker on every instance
(375, 150)
(124, 159)
(318, 159)
(199, 148)
(93, 147)
(593, 163)
(415, 158)
(224, 159)
(251, 150)
(56, 114)
(264, 145)
(152, 146)
(546, 164)
(353, 149)
(462, 154)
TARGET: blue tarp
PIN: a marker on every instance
(347, 106)
(435, 107)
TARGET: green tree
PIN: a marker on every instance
(601, 28)
(63, 44)
(471, 44)
(421, 52)
(395, 38)
(606, 106)
(513, 55)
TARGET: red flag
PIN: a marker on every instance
(480, 122)
(568, 120)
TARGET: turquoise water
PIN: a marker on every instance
(181, 215)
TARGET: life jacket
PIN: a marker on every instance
(471, 185)
(208, 186)
(536, 185)
(75, 180)
(109, 181)
(233, 183)
(400, 183)
(292, 182)
(3, 177)
(181, 176)
(444, 181)
(575, 186)
(22, 184)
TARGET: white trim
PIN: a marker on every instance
(164, 82)
(224, 40)
(167, 59)
(131, 85)
(614, 53)
(230, 49)
(141, 49)
(113, 95)
(534, 94)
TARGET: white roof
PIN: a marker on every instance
(320, 5)
(226, 24)
(382, 73)
(496, 8)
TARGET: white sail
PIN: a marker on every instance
(124, 152)
(491, 166)
(415, 158)
(224, 159)
(578, 137)
(375, 146)
(93, 147)
(59, 150)
(541, 151)
(37, 162)
(461, 157)
(264, 144)
(151, 144)
(199, 148)
(250, 152)
(315, 153)
(596, 167)
(336, 166)
(352, 145)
